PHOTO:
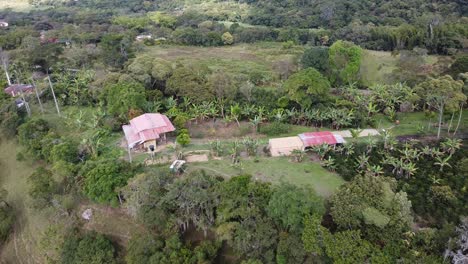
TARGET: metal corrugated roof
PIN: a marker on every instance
(317, 138)
(146, 127)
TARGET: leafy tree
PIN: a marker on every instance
(190, 81)
(193, 200)
(307, 87)
(162, 19)
(42, 186)
(317, 58)
(290, 249)
(460, 65)
(45, 56)
(65, 151)
(123, 96)
(183, 138)
(31, 133)
(372, 205)
(345, 62)
(90, 248)
(116, 49)
(443, 93)
(289, 204)
(104, 178)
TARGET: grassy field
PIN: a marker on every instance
(276, 170)
(258, 60)
(16, 5)
(22, 247)
(377, 66)
(415, 123)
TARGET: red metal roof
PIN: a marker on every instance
(146, 127)
(17, 89)
(317, 138)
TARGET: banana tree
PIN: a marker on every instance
(450, 145)
(236, 113)
(329, 163)
(255, 122)
(443, 162)
(362, 163)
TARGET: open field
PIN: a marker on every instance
(276, 170)
(16, 5)
(22, 247)
(415, 123)
(258, 61)
(377, 66)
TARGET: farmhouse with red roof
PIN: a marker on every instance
(147, 130)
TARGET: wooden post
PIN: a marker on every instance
(37, 95)
(129, 154)
(53, 94)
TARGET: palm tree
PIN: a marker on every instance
(235, 151)
(443, 162)
(370, 143)
(216, 147)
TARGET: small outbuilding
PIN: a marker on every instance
(3, 24)
(284, 146)
(18, 89)
(147, 130)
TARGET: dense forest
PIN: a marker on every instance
(391, 77)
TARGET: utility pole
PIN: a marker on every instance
(26, 104)
(53, 94)
(37, 95)
(5, 62)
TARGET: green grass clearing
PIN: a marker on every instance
(276, 170)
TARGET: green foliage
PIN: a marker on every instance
(345, 62)
(42, 187)
(316, 57)
(65, 151)
(137, 23)
(443, 90)
(90, 248)
(290, 249)
(6, 221)
(347, 247)
(162, 19)
(123, 96)
(314, 235)
(372, 205)
(193, 200)
(289, 204)
(190, 81)
(183, 138)
(31, 133)
(116, 49)
(274, 129)
(148, 249)
(460, 65)
(307, 87)
(103, 180)
(227, 38)
(7, 216)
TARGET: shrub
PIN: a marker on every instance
(274, 129)
(183, 139)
